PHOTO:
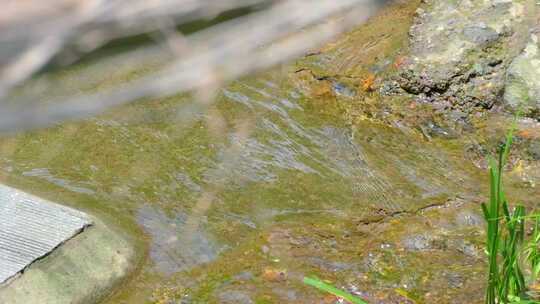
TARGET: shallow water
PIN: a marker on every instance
(234, 202)
(262, 155)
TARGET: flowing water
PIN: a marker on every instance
(235, 201)
(204, 188)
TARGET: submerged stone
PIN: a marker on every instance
(234, 297)
(343, 89)
(534, 150)
(468, 218)
(176, 246)
(417, 242)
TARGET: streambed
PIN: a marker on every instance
(236, 201)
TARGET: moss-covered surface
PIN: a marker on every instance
(302, 170)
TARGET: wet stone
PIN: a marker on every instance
(468, 218)
(286, 294)
(417, 242)
(244, 276)
(421, 242)
(173, 249)
(234, 297)
(460, 52)
(331, 266)
(431, 129)
(455, 280)
(389, 88)
(342, 89)
(480, 34)
(534, 150)
(523, 80)
(468, 249)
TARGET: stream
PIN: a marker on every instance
(235, 201)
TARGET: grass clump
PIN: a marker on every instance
(507, 249)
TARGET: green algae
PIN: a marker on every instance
(303, 207)
(128, 157)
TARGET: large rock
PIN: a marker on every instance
(460, 50)
(523, 80)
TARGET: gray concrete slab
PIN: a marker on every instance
(84, 270)
(31, 228)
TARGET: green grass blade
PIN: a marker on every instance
(509, 141)
(333, 290)
(485, 211)
(506, 212)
